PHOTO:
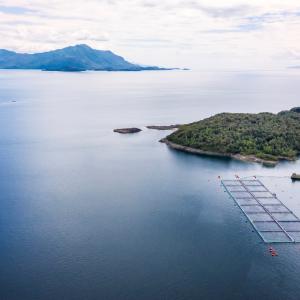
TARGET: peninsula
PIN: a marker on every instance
(163, 127)
(264, 137)
(71, 59)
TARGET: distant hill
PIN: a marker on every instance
(73, 58)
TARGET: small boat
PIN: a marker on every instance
(295, 176)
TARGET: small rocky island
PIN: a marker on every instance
(127, 130)
(163, 127)
(265, 137)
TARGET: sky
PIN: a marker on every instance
(206, 34)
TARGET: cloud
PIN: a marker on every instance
(273, 17)
(222, 11)
(241, 28)
(164, 32)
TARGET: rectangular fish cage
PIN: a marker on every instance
(272, 220)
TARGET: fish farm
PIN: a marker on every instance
(272, 220)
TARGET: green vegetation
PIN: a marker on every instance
(266, 136)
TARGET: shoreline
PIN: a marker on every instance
(245, 158)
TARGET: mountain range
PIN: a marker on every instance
(72, 59)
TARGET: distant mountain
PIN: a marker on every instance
(74, 58)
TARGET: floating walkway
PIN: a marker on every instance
(272, 220)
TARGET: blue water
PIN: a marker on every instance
(86, 213)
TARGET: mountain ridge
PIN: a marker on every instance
(72, 58)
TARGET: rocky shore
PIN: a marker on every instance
(246, 158)
(163, 127)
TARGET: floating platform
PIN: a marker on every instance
(295, 176)
(272, 220)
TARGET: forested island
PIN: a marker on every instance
(264, 137)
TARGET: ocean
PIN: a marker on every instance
(86, 213)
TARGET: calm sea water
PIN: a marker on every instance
(86, 213)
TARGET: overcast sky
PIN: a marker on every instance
(197, 34)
